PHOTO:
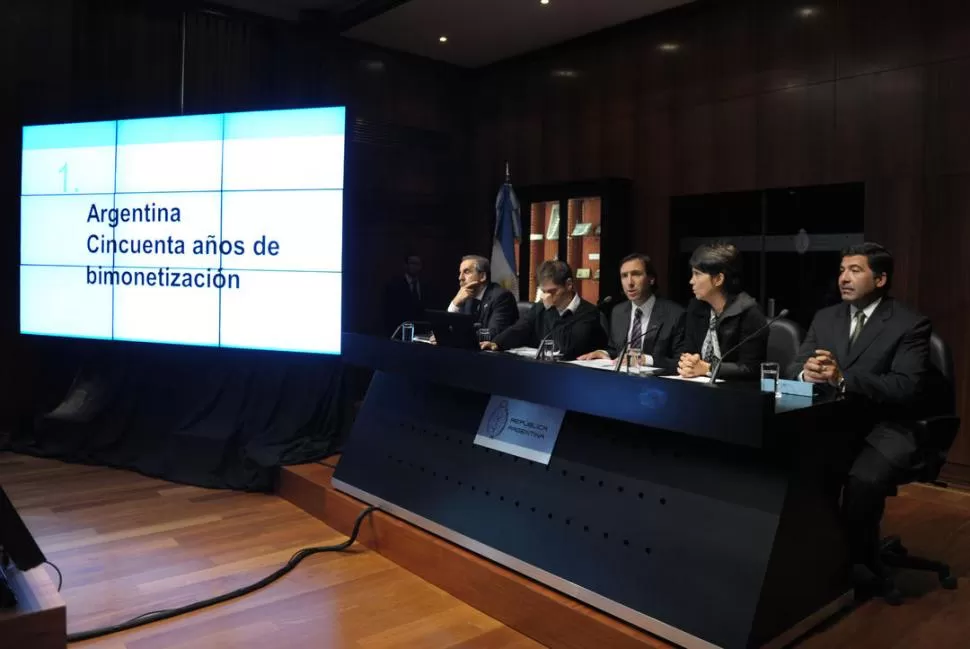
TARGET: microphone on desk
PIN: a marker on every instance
(717, 365)
(563, 325)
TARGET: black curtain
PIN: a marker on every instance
(208, 417)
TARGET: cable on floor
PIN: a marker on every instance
(156, 616)
(60, 577)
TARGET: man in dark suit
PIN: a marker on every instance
(575, 325)
(404, 296)
(645, 320)
(490, 304)
(875, 351)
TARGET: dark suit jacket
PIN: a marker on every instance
(887, 370)
(400, 305)
(663, 338)
(586, 335)
(740, 318)
(497, 311)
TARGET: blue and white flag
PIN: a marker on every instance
(508, 231)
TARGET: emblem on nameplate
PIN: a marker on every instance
(520, 428)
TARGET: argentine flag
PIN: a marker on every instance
(508, 231)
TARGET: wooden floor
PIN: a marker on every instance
(128, 545)
(934, 523)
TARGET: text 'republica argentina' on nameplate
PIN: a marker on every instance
(520, 428)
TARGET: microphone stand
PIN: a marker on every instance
(560, 327)
(401, 326)
(626, 349)
(716, 368)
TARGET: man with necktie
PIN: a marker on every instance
(492, 306)
(645, 320)
(875, 351)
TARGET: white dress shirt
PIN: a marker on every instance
(572, 306)
(478, 296)
(869, 310)
(646, 310)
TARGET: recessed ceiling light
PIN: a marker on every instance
(543, 2)
(442, 39)
(565, 73)
(668, 47)
(808, 12)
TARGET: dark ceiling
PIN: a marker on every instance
(477, 32)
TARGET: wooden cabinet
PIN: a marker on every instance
(586, 224)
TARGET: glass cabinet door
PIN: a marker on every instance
(583, 236)
(544, 232)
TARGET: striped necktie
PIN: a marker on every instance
(636, 333)
(860, 321)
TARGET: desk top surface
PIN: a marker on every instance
(733, 412)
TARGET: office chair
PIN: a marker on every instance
(784, 339)
(524, 308)
(934, 435)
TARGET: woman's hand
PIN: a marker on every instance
(691, 365)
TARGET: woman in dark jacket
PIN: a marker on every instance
(721, 316)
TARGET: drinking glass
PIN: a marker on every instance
(407, 332)
(548, 350)
(634, 361)
(769, 378)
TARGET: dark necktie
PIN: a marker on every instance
(860, 321)
(636, 333)
(414, 291)
(474, 307)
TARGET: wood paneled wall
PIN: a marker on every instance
(725, 95)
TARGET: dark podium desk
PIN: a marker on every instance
(696, 512)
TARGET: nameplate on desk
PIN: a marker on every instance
(797, 388)
(526, 430)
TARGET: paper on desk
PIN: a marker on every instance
(596, 363)
(609, 364)
(696, 379)
(529, 352)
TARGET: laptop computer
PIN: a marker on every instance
(456, 330)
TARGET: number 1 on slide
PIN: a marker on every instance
(63, 170)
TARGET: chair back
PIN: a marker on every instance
(940, 356)
(784, 339)
(935, 434)
(523, 308)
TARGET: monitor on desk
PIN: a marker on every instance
(453, 329)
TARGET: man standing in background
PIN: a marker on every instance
(404, 297)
